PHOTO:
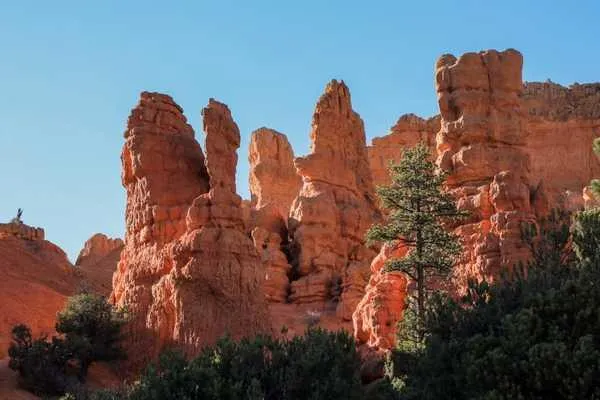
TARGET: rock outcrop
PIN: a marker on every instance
(21, 231)
(98, 261)
(408, 131)
(274, 182)
(562, 122)
(334, 208)
(36, 280)
(481, 145)
(188, 272)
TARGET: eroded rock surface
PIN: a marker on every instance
(98, 261)
(481, 145)
(36, 280)
(188, 272)
(334, 209)
(377, 315)
(274, 182)
(408, 131)
(562, 123)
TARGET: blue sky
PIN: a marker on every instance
(70, 73)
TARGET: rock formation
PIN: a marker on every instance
(407, 132)
(188, 271)
(21, 231)
(274, 183)
(36, 280)
(481, 145)
(334, 208)
(98, 261)
(379, 311)
(562, 122)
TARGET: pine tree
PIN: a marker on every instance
(418, 208)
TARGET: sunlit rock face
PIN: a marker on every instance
(335, 207)
(408, 131)
(188, 272)
(562, 122)
(481, 144)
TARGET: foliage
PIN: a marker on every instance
(586, 235)
(595, 184)
(92, 329)
(534, 336)
(418, 207)
(319, 365)
(41, 364)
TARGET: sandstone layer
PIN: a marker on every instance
(188, 271)
(334, 208)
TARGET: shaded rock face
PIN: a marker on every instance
(481, 146)
(274, 182)
(334, 208)
(188, 271)
(98, 261)
(377, 314)
(407, 132)
(562, 123)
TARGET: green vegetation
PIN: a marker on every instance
(418, 207)
(90, 331)
(535, 335)
(318, 365)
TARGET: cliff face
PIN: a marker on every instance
(188, 272)
(562, 123)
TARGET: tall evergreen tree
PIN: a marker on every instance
(418, 208)
(596, 182)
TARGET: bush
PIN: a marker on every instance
(534, 336)
(90, 329)
(319, 365)
(41, 364)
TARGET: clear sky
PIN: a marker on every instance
(70, 71)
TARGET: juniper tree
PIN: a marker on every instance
(418, 208)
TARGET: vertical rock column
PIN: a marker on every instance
(480, 144)
(334, 208)
(188, 272)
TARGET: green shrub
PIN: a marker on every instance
(319, 365)
(41, 364)
(92, 329)
(534, 336)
